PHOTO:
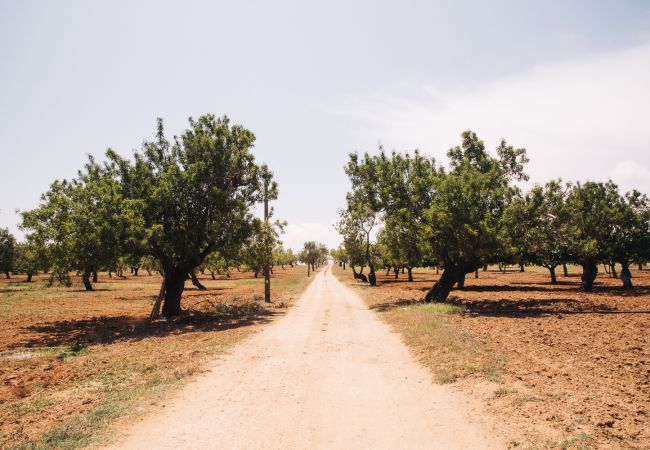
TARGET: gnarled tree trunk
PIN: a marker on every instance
(29, 277)
(372, 277)
(441, 289)
(174, 287)
(551, 269)
(589, 273)
(196, 282)
(85, 279)
(359, 276)
(410, 273)
(626, 275)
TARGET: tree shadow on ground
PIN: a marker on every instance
(518, 308)
(123, 328)
(383, 307)
(405, 280)
(542, 307)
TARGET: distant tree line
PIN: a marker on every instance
(405, 211)
(176, 207)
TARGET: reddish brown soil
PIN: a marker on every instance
(45, 384)
(575, 362)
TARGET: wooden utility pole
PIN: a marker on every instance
(267, 275)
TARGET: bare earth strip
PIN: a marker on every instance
(327, 375)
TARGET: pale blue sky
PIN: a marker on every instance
(316, 80)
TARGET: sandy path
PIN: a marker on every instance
(327, 375)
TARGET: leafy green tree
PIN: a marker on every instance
(31, 258)
(81, 222)
(216, 263)
(405, 192)
(592, 208)
(150, 264)
(340, 255)
(466, 206)
(629, 236)
(308, 255)
(533, 227)
(313, 254)
(282, 257)
(191, 197)
(7, 251)
(356, 226)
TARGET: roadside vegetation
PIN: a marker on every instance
(73, 362)
(405, 211)
(99, 322)
(554, 366)
(497, 289)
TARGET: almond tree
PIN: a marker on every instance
(82, 223)
(466, 207)
(592, 207)
(7, 251)
(191, 196)
(533, 227)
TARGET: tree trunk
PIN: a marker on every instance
(359, 276)
(29, 277)
(551, 269)
(396, 272)
(135, 271)
(521, 268)
(196, 282)
(614, 274)
(566, 269)
(388, 271)
(343, 265)
(372, 278)
(212, 275)
(155, 310)
(589, 273)
(626, 275)
(148, 272)
(85, 279)
(110, 274)
(441, 289)
(174, 287)
(7, 274)
(640, 266)
(461, 282)
(410, 273)
(256, 273)
(308, 269)
(94, 276)
(476, 274)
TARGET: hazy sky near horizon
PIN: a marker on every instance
(568, 80)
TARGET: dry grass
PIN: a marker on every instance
(72, 362)
(430, 331)
(562, 368)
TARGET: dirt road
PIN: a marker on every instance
(327, 375)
